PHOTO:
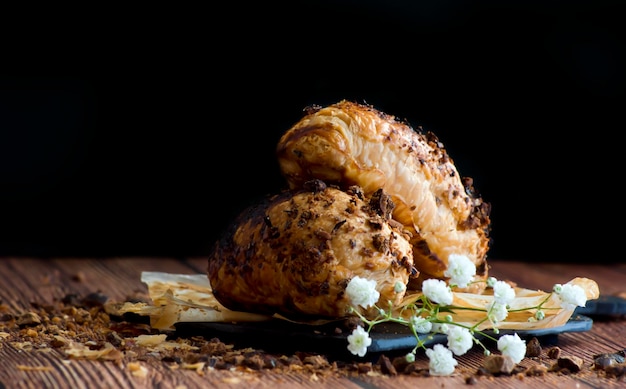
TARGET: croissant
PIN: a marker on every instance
(293, 253)
(349, 143)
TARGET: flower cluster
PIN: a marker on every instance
(431, 314)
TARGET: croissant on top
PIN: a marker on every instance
(349, 143)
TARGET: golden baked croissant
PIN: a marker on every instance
(349, 143)
(295, 252)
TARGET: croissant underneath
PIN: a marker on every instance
(294, 253)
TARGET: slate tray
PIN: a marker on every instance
(281, 336)
(604, 306)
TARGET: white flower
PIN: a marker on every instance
(437, 291)
(497, 312)
(421, 325)
(362, 291)
(399, 287)
(459, 340)
(359, 341)
(441, 360)
(461, 270)
(491, 281)
(410, 357)
(572, 296)
(513, 346)
(540, 315)
(503, 292)
(440, 328)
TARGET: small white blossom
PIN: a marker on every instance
(497, 312)
(557, 288)
(399, 287)
(513, 346)
(437, 291)
(442, 361)
(459, 340)
(362, 291)
(491, 281)
(503, 292)
(410, 357)
(440, 328)
(421, 325)
(572, 296)
(461, 270)
(540, 315)
(359, 341)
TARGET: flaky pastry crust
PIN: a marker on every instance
(349, 143)
(294, 253)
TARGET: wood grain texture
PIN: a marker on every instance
(27, 281)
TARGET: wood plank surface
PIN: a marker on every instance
(28, 282)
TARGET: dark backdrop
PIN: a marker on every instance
(143, 130)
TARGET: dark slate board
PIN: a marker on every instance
(604, 306)
(282, 336)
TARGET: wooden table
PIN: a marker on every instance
(28, 281)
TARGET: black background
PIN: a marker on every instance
(143, 130)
